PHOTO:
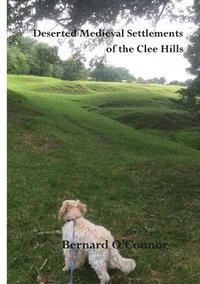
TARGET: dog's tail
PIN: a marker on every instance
(117, 261)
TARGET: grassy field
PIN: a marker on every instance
(126, 150)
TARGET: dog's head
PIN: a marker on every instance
(71, 209)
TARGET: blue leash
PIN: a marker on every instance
(72, 258)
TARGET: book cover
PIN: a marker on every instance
(103, 141)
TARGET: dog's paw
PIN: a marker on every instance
(64, 269)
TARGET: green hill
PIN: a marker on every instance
(126, 150)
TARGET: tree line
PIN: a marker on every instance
(29, 57)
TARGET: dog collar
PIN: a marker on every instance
(72, 219)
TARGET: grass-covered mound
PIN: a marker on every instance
(126, 150)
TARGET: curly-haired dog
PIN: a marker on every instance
(92, 241)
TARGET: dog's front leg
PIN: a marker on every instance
(67, 259)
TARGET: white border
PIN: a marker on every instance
(3, 144)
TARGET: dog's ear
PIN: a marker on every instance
(82, 207)
(63, 209)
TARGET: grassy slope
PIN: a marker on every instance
(102, 143)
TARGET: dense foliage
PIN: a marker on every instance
(193, 53)
(26, 56)
(29, 57)
(74, 69)
(190, 97)
(24, 14)
(111, 74)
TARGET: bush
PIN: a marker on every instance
(190, 96)
(17, 62)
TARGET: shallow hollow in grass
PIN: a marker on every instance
(158, 120)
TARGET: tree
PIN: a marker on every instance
(25, 44)
(193, 53)
(155, 80)
(162, 80)
(196, 7)
(188, 82)
(124, 74)
(27, 56)
(74, 69)
(43, 55)
(103, 73)
(17, 62)
(56, 70)
(190, 97)
(174, 82)
(141, 80)
(24, 14)
(111, 74)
